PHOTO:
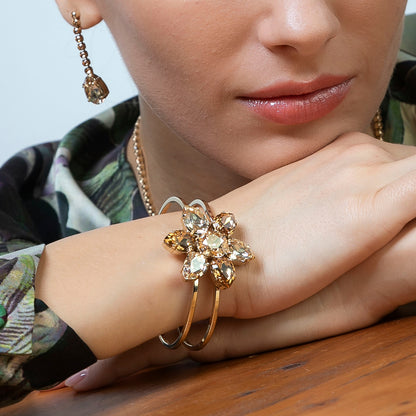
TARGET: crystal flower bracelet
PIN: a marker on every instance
(207, 242)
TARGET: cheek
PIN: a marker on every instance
(174, 39)
(373, 27)
(180, 49)
(371, 38)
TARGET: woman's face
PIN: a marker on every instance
(257, 84)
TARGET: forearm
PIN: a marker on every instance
(118, 286)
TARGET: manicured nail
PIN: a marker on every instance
(76, 378)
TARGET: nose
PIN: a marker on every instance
(304, 26)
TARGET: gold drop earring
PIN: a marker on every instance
(95, 88)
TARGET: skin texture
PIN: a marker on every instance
(325, 254)
(210, 52)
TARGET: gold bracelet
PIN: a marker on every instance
(207, 243)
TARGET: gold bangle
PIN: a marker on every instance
(207, 243)
(211, 325)
(183, 330)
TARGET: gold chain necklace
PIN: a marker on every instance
(377, 125)
(141, 171)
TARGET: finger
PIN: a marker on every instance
(398, 151)
(398, 198)
(110, 370)
(390, 278)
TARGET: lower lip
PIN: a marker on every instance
(298, 109)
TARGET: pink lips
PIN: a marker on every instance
(295, 103)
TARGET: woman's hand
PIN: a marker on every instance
(358, 298)
(312, 221)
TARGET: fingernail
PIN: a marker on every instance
(76, 378)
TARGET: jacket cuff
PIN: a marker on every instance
(17, 296)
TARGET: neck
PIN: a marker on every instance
(174, 167)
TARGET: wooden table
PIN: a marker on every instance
(368, 372)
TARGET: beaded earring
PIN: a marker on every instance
(95, 88)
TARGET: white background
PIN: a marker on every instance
(41, 74)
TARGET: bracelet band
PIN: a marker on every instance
(207, 243)
(183, 330)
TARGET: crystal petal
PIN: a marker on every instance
(179, 242)
(239, 251)
(223, 272)
(226, 222)
(195, 220)
(194, 266)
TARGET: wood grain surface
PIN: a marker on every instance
(367, 372)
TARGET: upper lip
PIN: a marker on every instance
(296, 88)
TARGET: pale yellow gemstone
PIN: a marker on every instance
(96, 89)
(195, 220)
(239, 251)
(226, 221)
(179, 241)
(223, 272)
(213, 245)
(194, 266)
